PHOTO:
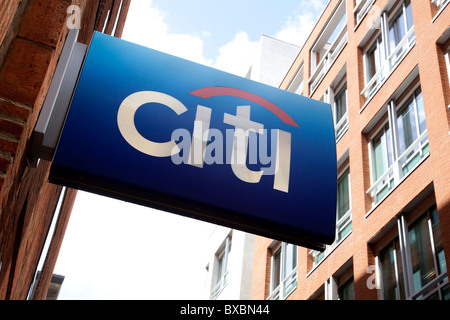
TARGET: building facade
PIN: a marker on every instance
(230, 253)
(384, 67)
(33, 212)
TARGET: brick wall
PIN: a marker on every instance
(32, 34)
(357, 248)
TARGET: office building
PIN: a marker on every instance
(230, 253)
(383, 66)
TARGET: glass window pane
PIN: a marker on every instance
(341, 104)
(370, 64)
(409, 17)
(388, 270)
(378, 57)
(390, 156)
(343, 195)
(420, 111)
(290, 259)
(276, 268)
(397, 30)
(382, 152)
(393, 284)
(345, 231)
(219, 268)
(421, 253)
(406, 124)
(401, 283)
(347, 291)
(446, 292)
(439, 247)
(337, 29)
(378, 157)
(375, 58)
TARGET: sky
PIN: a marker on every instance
(117, 250)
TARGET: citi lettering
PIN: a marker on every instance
(196, 151)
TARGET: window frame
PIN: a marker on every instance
(319, 256)
(403, 163)
(341, 223)
(324, 53)
(361, 9)
(287, 283)
(221, 265)
(405, 288)
(340, 125)
(297, 84)
(440, 6)
(338, 85)
(389, 58)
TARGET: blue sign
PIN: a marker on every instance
(157, 130)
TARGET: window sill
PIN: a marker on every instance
(396, 186)
(363, 16)
(275, 294)
(329, 253)
(368, 99)
(341, 135)
(439, 12)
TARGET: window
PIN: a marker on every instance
(340, 111)
(440, 4)
(362, 7)
(391, 265)
(395, 39)
(399, 25)
(296, 85)
(343, 216)
(336, 96)
(399, 146)
(347, 290)
(375, 58)
(283, 278)
(413, 265)
(340, 286)
(382, 161)
(447, 62)
(328, 45)
(221, 278)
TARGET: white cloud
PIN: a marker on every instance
(146, 26)
(234, 57)
(298, 27)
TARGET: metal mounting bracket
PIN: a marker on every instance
(47, 131)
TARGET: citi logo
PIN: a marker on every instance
(206, 145)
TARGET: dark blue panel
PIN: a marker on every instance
(93, 154)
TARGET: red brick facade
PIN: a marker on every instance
(427, 184)
(32, 34)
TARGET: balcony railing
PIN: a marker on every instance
(341, 126)
(343, 228)
(433, 289)
(440, 3)
(394, 59)
(286, 287)
(328, 59)
(362, 8)
(401, 167)
(219, 286)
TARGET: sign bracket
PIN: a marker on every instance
(47, 131)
